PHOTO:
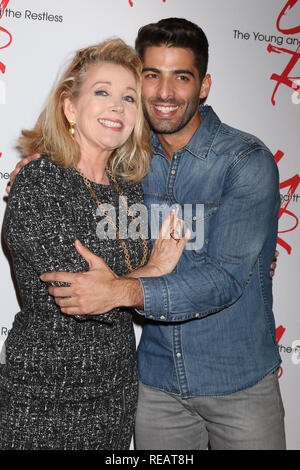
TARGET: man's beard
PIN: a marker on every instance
(166, 126)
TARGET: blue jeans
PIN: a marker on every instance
(252, 419)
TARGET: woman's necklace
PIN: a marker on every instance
(104, 212)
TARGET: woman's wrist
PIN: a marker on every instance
(150, 270)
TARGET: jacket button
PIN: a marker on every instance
(162, 317)
(178, 355)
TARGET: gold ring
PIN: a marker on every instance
(176, 239)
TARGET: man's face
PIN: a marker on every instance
(171, 89)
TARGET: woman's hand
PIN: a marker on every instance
(167, 250)
(20, 165)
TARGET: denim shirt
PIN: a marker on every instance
(209, 326)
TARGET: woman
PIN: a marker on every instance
(66, 383)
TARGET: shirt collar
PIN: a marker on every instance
(202, 140)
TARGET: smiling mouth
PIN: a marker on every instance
(165, 111)
(115, 125)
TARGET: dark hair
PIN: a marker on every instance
(175, 32)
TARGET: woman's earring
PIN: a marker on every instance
(71, 128)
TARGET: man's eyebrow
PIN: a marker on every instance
(183, 71)
(174, 72)
(151, 69)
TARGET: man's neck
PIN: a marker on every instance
(171, 143)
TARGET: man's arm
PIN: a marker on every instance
(96, 291)
(247, 209)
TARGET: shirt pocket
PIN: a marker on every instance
(198, 218)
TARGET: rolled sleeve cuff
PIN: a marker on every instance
(156, 298)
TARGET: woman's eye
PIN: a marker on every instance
(130, 99)
(101, 93)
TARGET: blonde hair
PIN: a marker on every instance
(51, 132)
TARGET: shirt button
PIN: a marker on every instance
(194, 218)
(178, 355)
(175, 157)
(173, 172)
(162, 317)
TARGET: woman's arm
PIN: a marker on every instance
(167, 249)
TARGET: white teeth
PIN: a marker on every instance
(110, 123)
(166, 109)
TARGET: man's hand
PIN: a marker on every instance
(20, 165)
(94, 292)
(274, 264)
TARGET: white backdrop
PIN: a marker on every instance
(254, 47)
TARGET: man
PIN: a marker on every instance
(208, 355)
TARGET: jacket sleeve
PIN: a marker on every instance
(39, 226)
(247, 209)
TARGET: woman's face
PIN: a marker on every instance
(105, 111)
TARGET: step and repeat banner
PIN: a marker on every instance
(255, 69)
